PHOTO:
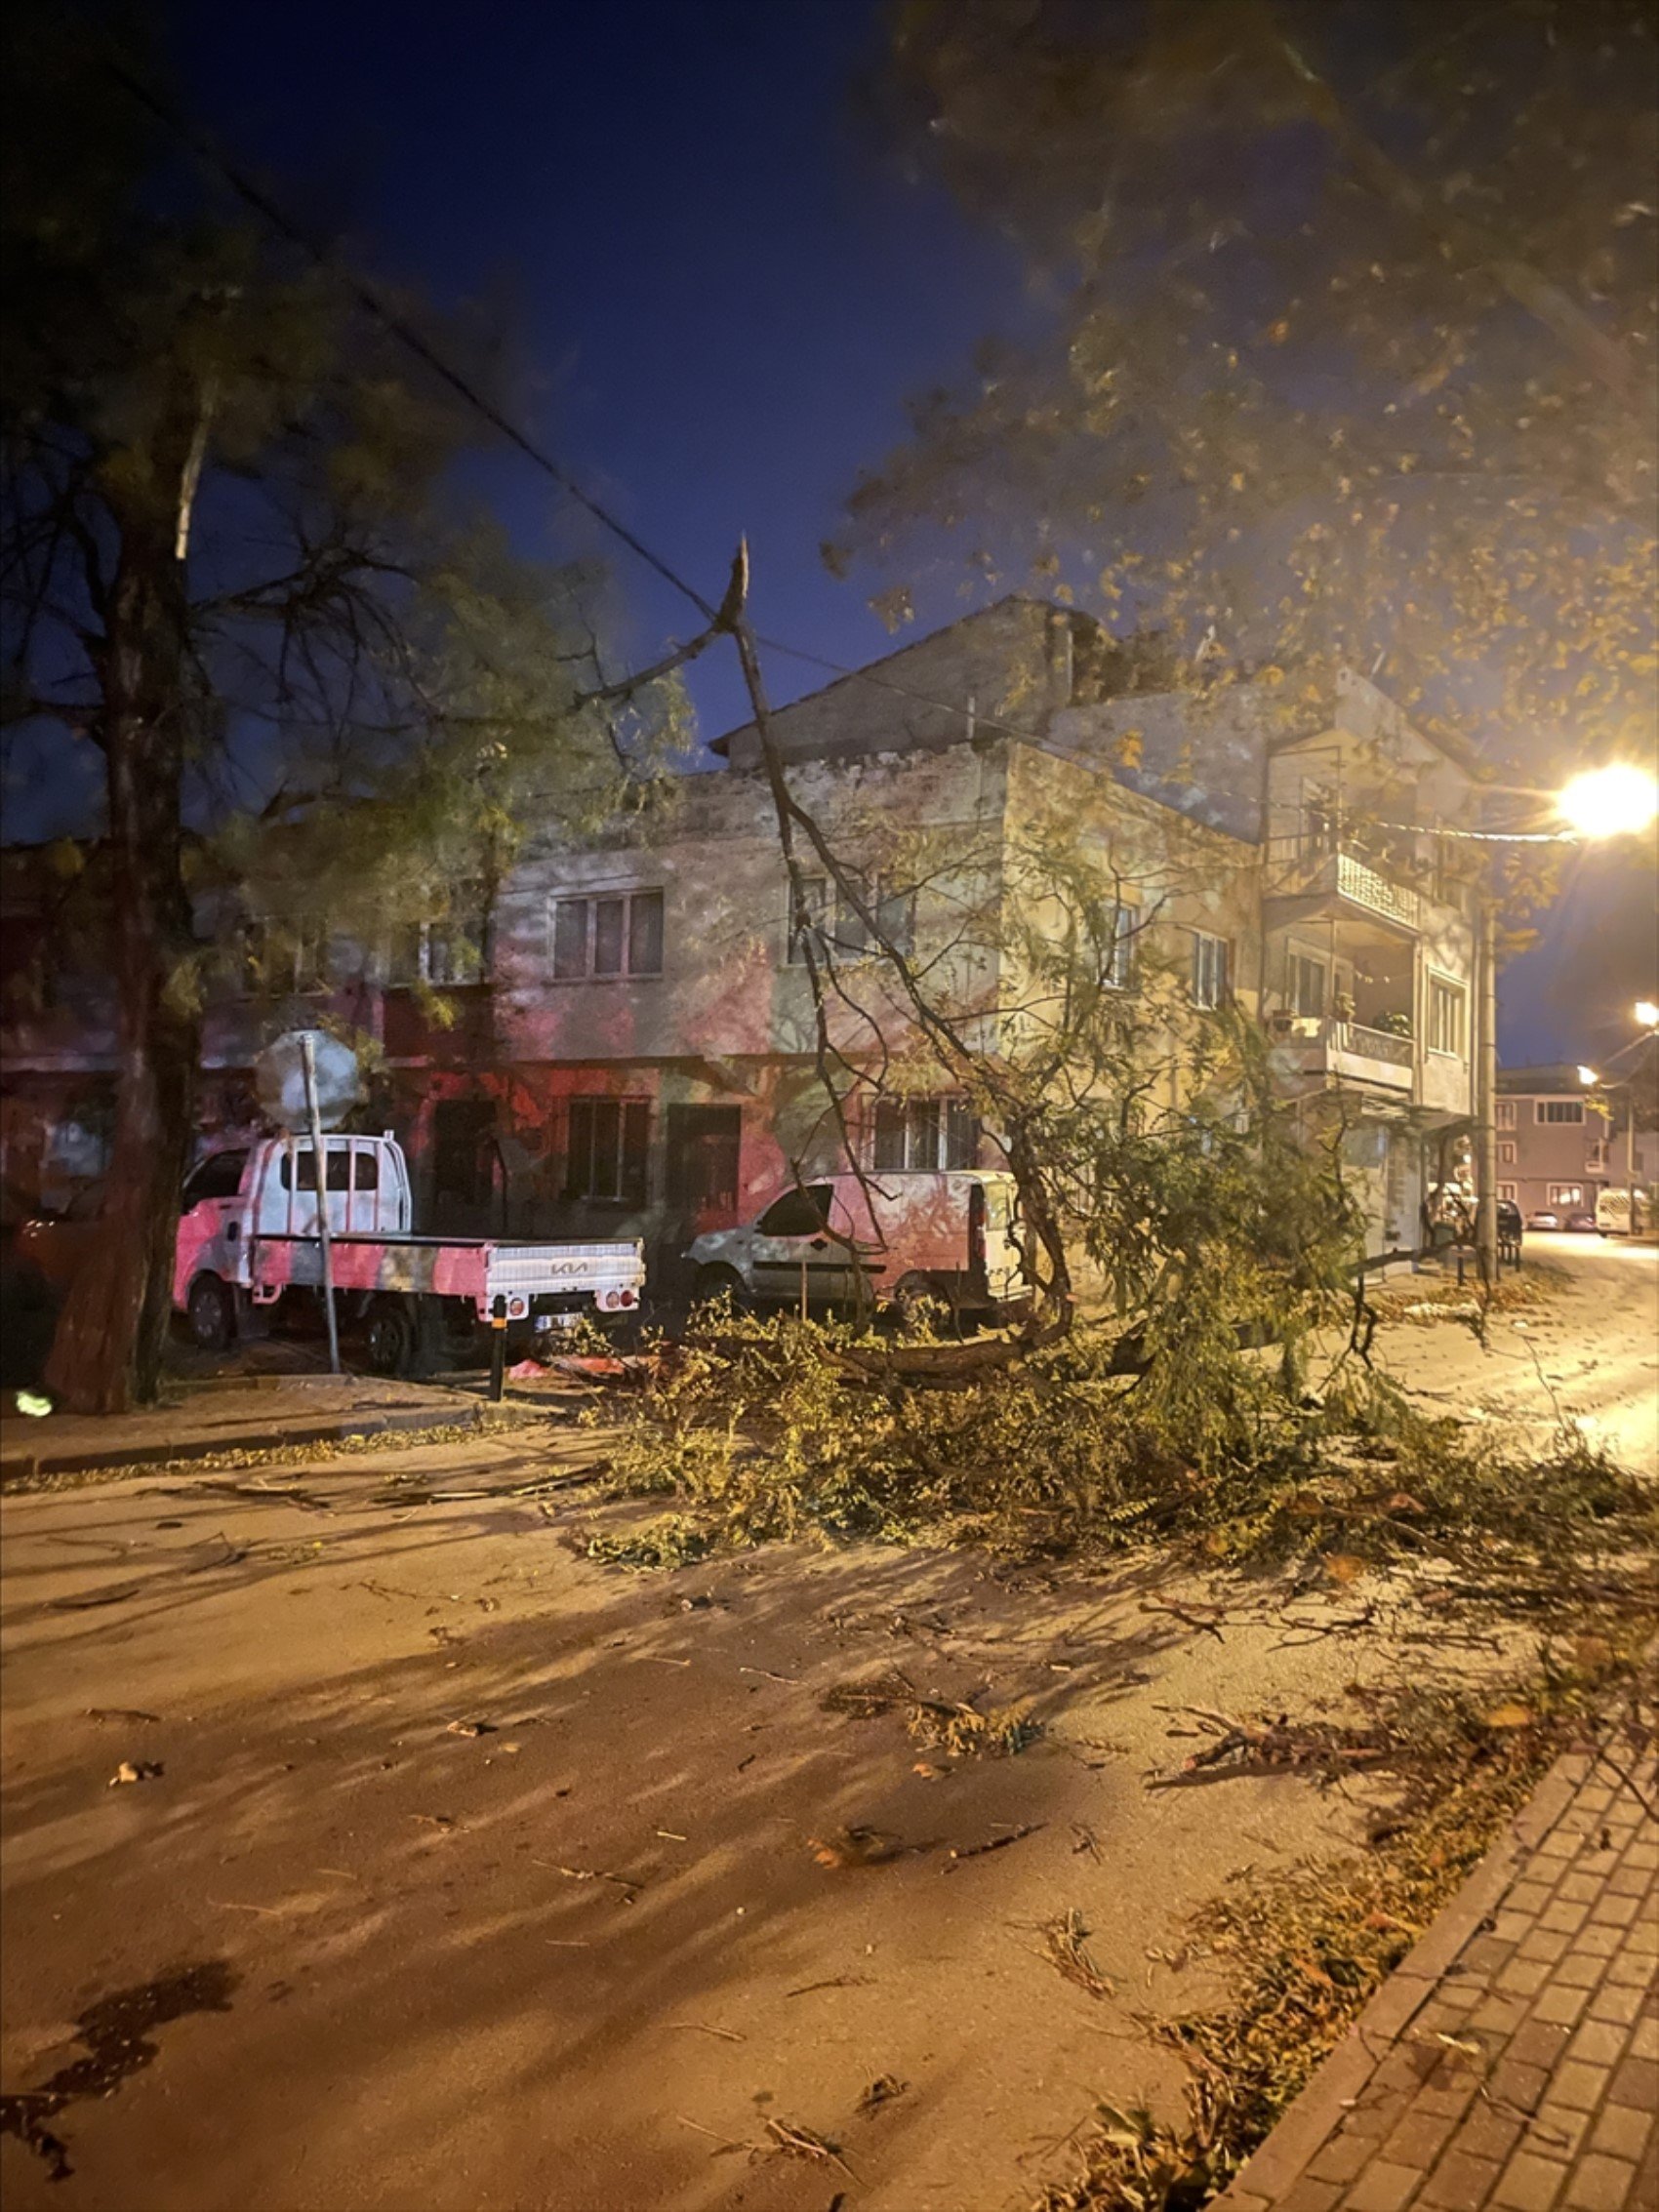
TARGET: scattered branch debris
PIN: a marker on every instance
(1307, 1946)
(962, 1851)
(1063, 1939)
(1273, 1746)
(802, 2143)
(957, 1728)
(844, 1847)
(136, 1770)
(882, 2091)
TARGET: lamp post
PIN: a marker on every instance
(1603, 802)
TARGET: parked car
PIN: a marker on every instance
(28, 1304)
(1509, 1223)
(1544, 1219)
(896, 1239)
(1580, 1222)
(54, 1240)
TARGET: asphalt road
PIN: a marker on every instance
(474, 1876)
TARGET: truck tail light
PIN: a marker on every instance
(518, 1307)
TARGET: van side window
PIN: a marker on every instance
(799, 1212)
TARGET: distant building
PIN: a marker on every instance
(1556, 1148)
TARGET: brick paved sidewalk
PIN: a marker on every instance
(1513, 2059)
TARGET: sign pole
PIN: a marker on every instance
(309, 1061)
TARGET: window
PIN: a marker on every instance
(1506, 1190)
(448, 950)
(1119, 968)
(1595, 1155)
(1506, 1156)
(1209, 970)
(285, 956)
(833, 927)
(1560, 1109)
(1307, 985)
(220, 1175)
(337, 1163)
(1446, 1017)
(1566, 1194)
(607, 1155)
(923, 1133)
(1506, 1113)
(797, 1213)
(614, 933)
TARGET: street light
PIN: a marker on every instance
(1646, 1013)
(1588, 1076)
(1605, 801)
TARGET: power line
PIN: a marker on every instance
(372, 304)
(369, 300)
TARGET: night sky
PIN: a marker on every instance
(721, 292)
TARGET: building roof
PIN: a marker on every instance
(1560, 1079)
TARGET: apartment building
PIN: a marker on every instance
(1556, 1149)
(628, 1042)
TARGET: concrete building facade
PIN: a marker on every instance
(625, 1044)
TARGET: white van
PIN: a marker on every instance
(895, 1238)
(1613, 1212)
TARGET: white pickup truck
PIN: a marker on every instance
(248, 1235)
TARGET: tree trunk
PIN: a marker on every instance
(108, 1351)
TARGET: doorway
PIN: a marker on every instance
(465, 1168)
(700, 1179)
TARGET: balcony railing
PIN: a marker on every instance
(1298, 867)
(1316, 1047)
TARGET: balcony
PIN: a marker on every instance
(1326, 878)
(1348, 1052)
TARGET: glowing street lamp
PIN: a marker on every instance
(1646, 1013)
(1606, 802)
(1588, 1076)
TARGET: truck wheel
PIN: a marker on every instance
(391, 1339)
(212, 1314)
(718, 1282)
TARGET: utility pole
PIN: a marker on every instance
(1485, 1096)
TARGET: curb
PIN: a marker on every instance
(26, 1467)
(1279, 2162)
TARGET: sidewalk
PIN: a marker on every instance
(1513, 2059)
(236, 1414)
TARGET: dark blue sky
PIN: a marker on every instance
(721, 293)
(724, 293)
